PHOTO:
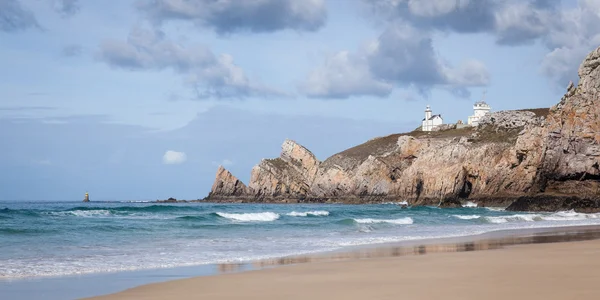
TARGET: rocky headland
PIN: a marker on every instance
(532, 159)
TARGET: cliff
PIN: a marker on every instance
(522, 155)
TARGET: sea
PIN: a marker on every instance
(61, 239)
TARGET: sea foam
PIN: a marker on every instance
(401, 221)
(250, 217)
(82, 213)
(558, 216)
(469, 204)
(316, 213)
(467, 217)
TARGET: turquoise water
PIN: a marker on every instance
(41, 239)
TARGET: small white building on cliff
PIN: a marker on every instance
(480, 109)
(431, 121)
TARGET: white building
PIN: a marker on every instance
(480, 109)
(431, 121)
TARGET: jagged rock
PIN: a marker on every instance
(552, 203)
(444, 127)
(511, 154)
(227, 185)
(291, 175)
(509, 119)
(572, 158)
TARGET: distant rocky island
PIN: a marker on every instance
(532, 159)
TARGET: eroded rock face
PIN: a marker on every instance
(227, 185)
(511, 154)
(290, 175)
(571, 163)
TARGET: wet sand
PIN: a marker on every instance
(561, 263)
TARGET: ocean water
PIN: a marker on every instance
(41, 239)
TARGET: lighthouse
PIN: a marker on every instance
(87, 197)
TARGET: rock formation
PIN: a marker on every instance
(227, 186)
(511, 155)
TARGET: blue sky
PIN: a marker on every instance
(143, 99)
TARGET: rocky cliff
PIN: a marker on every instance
(520, 155)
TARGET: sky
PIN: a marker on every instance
(144, 99)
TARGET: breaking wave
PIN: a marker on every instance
(250, 217)
(401, 221)
(467, 217)
(316, 213)
(559, 216)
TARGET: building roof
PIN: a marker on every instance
(481, 103)
(434, 116)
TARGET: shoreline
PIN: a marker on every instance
(495, 240)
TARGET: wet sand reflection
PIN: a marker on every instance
(477, 243)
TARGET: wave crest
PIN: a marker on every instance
(467, 217)
(250, 217)
(316, 213)
(401, 221)
(82, 213)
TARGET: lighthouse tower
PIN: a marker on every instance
(431, 121)
(480, 109)
(87, 197)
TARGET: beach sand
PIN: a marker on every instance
(564, 270)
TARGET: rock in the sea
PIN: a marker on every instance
(553, 203)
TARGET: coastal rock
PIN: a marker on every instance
(288, 176)
(510, 154)
(572, 157)
(553, 203)
(509, 119)
(227, 185)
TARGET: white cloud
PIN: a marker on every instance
(210, 75)
(402, 56)
(173, 157)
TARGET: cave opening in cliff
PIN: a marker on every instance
(466, 189)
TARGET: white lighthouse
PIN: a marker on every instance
(480, 109)
(431, 121)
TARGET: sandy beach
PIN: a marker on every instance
(563, 270)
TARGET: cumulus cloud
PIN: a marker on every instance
(402, 56)
(247, 15)
(568, 33)
(14, 17)
(344, 74)
(210, 75)
(174, 158)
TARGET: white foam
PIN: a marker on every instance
(467, 217)
(469, 204)
(514, 218)
(495, 208)
(316, 213)
(82, 213)
(569, 216)
(396, 203)
(401, 221)
(251, 217)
